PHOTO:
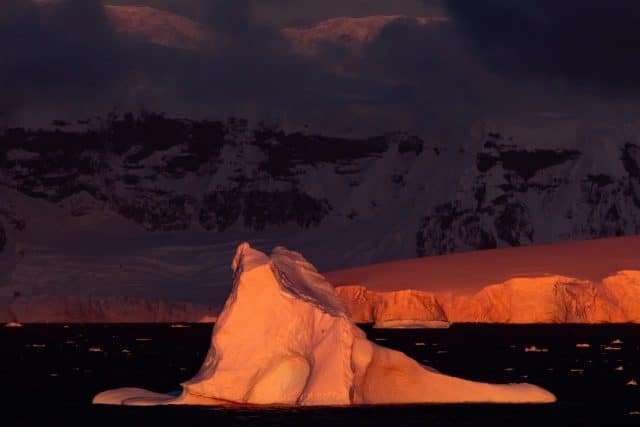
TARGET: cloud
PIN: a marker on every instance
(590, 45)
(66, 61)
(69, 51)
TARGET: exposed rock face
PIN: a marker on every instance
(167, 174)
(536, 195)
(384, 308)
(104, 310)
(285, 338)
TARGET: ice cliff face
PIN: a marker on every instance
(543, 299)
(406, 308)
(285, 337)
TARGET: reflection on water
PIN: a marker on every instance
(592, 369)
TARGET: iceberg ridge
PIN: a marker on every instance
(285, 337)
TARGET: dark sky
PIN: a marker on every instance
(490, 57)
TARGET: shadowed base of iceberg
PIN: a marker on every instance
(285, 337)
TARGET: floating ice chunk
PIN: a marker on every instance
(13, 325)
(95, 350)
(576, 370)
(619, 368)
(37, 345)
(285, 337)
(411, 324)
(617, 341)
(534, 349)
(632, 383)
(179, 326)
(508, 369)
(611, 348)
(420, 344)
(583, 345)
(143, 339)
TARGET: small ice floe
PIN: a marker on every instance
(583, 345)
(633, 413)
(619, 368)
(53, 374)
(66, 326)
(183, 369)
(143, 339)
(508, 369)
(534, 349)
(525, 376)
(95, 350)
(420, 344)
(36, 345)
(381, 339)
(179, 326)
(13, 325)
(442, 352)
(632, 383)
(611, 348)
(125, 350)
(617, 341)
(576, 370)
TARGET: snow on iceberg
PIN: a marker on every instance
(285, 337)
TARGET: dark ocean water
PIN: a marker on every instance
(49, 373)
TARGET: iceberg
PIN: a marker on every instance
(285, 337)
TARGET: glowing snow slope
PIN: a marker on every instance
(285, 337)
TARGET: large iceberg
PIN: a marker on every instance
(285, 337)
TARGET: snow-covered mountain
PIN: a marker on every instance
(157, 26)
(150, 25)
(158, 204)
(350, 32)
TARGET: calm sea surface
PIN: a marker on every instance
(49, 373)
